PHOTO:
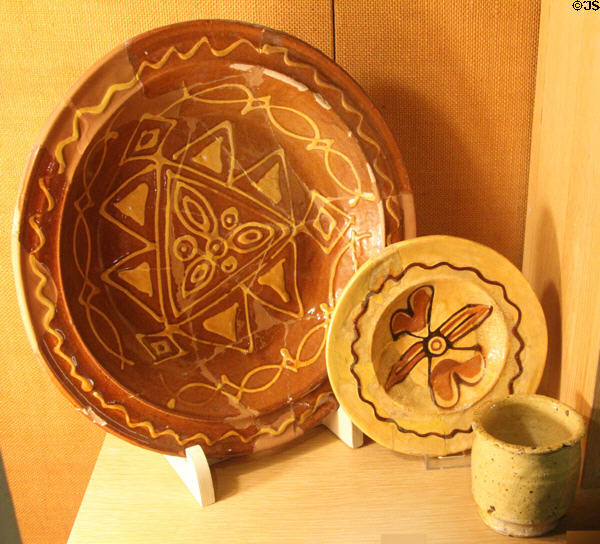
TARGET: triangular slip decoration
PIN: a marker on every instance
(268, 182)
(224, 323)
(213, 245)
(139, 278)
(276, 284)
(129, 205)
(136, 277)
(133, 205)
(211, 154)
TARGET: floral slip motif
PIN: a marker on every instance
(445, 375)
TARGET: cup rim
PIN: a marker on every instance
(577, 433)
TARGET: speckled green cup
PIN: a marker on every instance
(525, 463)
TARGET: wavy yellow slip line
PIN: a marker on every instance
(49, 200)
(113, 89)
(314, 141)
(267, 49)
(80, 223)
(86, 384)
(198, 436)
(359, 131)
(317, 404)
(287, 363)
(99, 108)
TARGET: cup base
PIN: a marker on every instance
(510, 528)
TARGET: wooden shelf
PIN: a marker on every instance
(316, 490)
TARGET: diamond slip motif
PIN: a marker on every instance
(187, 227)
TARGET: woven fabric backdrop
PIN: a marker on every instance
(454, 81)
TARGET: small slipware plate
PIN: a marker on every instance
(427, 331)
(195, 207)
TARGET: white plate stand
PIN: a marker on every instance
(194, 468)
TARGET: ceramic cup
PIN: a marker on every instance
(525, 463)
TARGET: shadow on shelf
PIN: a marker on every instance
(228, 473)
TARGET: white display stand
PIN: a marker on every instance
(194, 468)
(341, 426)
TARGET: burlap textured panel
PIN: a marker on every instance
(48, 449)
(455, 81)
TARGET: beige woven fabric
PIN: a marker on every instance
(455, 81)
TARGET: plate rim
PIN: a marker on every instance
(338, 348)
(397, 170)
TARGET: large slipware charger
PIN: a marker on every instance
(424, 334)
(195, 207)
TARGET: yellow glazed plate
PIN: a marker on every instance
(427, 331)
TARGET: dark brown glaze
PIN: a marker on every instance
(409, 314)
(187, 225)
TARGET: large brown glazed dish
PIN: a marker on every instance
(193, 211)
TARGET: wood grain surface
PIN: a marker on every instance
(317, 490)
(561, 256)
